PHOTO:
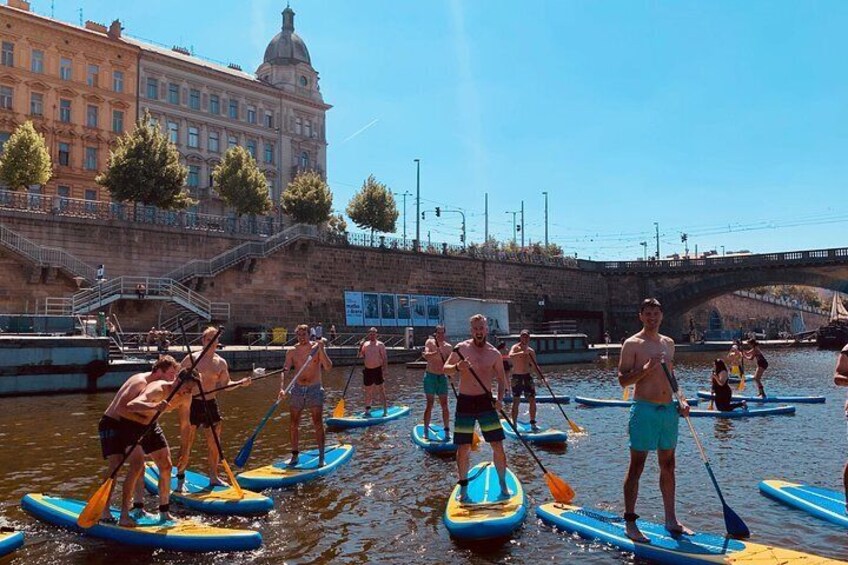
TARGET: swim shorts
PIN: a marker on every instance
(435, 384)
(197, 415)
(371, 377)
(476, 409)
(653, 426)
(311, 396)
(523, 383)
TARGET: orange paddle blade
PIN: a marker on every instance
(475, 440)
(339, 410)
(625, 394)
(233, 482)
(90, 515)
(711, 405)
(575, 428)
(741, 383)
(560, 490)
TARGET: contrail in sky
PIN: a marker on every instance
(360, 130)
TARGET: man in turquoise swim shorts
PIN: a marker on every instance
(436, 351)
(653, 417)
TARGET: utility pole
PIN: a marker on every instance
(546, 218)
(685, 239)
(486, 223)
(418, 205)
(644, 245)
(405, 194)
(522, 224)
(513, 227)
(657, 226)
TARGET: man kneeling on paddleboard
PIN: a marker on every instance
(654, 417)
(125, 420)
(482, 364)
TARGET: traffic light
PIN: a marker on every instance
(438, 211)
(518, 227)
(422, 215)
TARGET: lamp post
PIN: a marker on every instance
(644, 245)
(722, 250)
(522, 224)
(513, 226)
(657, 226)
(417, 204)
(545, 193)
(405, 194)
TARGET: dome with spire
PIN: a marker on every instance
(287, 48)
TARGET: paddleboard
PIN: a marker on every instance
(281, 474)
(545, 434)
(359, 420)
(663, 548)
(485, 515)
(437, 443)
(618, 403)
(175, 534)
(216, 500)
(10, 541)
(733, 379)
(739, 413)
(541, 399)
(706, 394)
(820, 502)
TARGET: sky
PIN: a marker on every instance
(723, 120)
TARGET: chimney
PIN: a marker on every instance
(19, 4)
(94, 26)
(115, 30)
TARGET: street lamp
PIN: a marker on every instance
(417, 204)
(722, 250)
(644, 245)
(545, 193)
(657, 227)
(405, 194)
(514, 240)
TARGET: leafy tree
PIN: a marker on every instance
(373, 207)
(25, 160)
(241, 184)
(336, 228)
(145, 167)
(307, 199)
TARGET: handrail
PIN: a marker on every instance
(46, 256)
(87, 298)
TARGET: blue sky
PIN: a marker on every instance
(724, 120)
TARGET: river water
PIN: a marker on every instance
(386, 504)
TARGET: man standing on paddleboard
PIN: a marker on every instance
(436, 351)
(308, 391)
(481, 366)
(840, 378)
(214, 373)
(376, 360)
(654, 417)
(522, 357)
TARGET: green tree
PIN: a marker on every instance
(373, 207)
(241, 184)
(25, 160)
(336, 228)
(307, 199)
(145, 167)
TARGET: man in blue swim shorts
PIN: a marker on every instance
(654, 417)
(436, 352)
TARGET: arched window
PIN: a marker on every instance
(715, 322)
(304, 160)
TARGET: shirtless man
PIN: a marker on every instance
(214, 373)
(523, 357)
(475, 402)
(124, 420)
(653, 417)
(373, 353)
(308, 391)
(840, 378)
(436, 351)
(735, 361)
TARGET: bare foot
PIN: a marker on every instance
(217, 481)
(293, 461)
(505, 494)
(181, 488)
(320, 463)
(633, 532)
(107, 518)
(678, 529)
(127, 522)
(164, 516)
(463, 496)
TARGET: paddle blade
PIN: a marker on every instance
(560, 490)
(574, 427)
(625, 394)
(475, 441)
(90, 515)
(339, 410)
(244, 454)
(735, 526)
(233, 481)
(711, 405)
(741, 383)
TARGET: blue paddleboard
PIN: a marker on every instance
(215, 500)
(544, 434)
(663, 547)
(437, 443)
(820, 502)
(281, 474)
(739, 413)
(541, 399)
(613, 402)
(377, 416)
(10, 541)
(485, 515)
(803, 399)
(176, 534)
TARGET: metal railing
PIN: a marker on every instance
(784, 302)
(103, 293)
(46, 256)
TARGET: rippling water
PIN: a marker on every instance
(386, 504)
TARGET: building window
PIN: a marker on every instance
(91, 116)
(37, 62)
(213, 142)
(269, 120)
(234, 109)
(153, 89)
(91, 158)
(194, 175)
(65, 69)
(8, 54)
(307, 128)
(251, 115)
(118, 81)
(174, 93)
(90, 194)
(232, 141)
(304, 81)
(36, 104)
(65, 111)
(269, 152)
(251, 147)
(194, 99)
(93, 77)
(214, 104)
(4, 137)
(64, 154)
(117, 121)
(6, 93)
(298, 126)
(193, 137)
(304, 160)
(63, 191)
(173, 132)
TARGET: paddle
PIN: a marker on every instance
(95, 506)
(741, 386)
(732, 522)
(339, 410)
(261, 375)
(560, 490)
(625, 393)
(244, 453)
(574, 427)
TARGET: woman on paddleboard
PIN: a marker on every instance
(721, 390)
(762, 364)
